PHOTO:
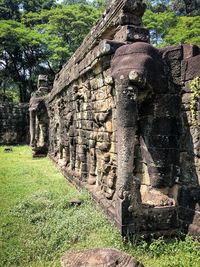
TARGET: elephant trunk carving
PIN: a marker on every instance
(133, 69)
(128, 194)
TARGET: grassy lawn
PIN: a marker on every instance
(38, 225)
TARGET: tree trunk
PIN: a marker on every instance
(22, 92)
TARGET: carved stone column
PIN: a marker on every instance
(127, 186)
(32, 128)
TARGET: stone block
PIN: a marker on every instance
(130, 33)
(190, 50)
(165, 126)
(190, 68)
(98, 257)
(14, 121)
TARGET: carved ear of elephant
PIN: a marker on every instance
(140, 63)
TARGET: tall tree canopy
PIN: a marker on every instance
(62, 29)
(10, 9)
(173, 22)
(186, 7)
(74, 2)
(21, 52)
(39, 40)
(38, 36)
(36, 5)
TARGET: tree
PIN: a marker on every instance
(166, 28)
(186, 7)
(63, 30)
(14, 9)
(187, 30)
(21, 51)
(41, 43)
(101, 4)
(159, 24)
(8, 89)
(158, 5)
(37, 5)
(74, 2)
(10, 9)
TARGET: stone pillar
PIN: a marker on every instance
(32, 127)
(127, 186)
(42, 82)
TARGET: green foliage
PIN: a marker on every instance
(59, 28)
(56, 226)
(42, 42)
(10, 9)
(14, 9)
(12, 32)
(195, 99)
(158, 5)
(186, 7)
(8, 91)
(187, 30)
(179, 7)
(74, 2)
(38, 225)
(21, 51)
(36, 5)
(166, 28)
(101, 4)
(183, 251)
(159, 24)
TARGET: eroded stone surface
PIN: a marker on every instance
(14, 123)
(98, 258)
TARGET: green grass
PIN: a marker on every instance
(38, 225)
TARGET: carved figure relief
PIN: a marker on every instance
(39, 119)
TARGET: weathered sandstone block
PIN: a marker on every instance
(14, 124)
(98, 258)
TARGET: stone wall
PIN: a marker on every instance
(118, 122)
(14, 123)
(189, 149)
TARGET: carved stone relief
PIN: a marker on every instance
(118, 120)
